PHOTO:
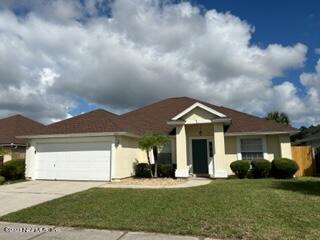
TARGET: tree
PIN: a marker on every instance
(305, 132)
(154, 142)
(279, 117)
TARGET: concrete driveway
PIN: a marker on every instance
(17, 196)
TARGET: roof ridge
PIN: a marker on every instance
(154, 103)
(83, 114)
(11, 116)
(251, 115)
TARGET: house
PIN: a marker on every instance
(205, 139)
(10, 127)
(313, 140)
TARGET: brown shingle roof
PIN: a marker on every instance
(13, 126)
(154, 118)
(92, 122)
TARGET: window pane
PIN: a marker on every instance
(252, 155)
(251, 145)
(166, 148)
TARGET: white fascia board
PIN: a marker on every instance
(178, 122)
(99, 134)
(218, 120)
(200, 105)
(222, 120)
(260, 133)
(12, 144)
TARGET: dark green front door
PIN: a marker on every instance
(200, 156)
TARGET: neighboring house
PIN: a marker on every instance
(10, 127)
(312, 140)
(205, 139)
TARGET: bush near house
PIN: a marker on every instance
(261, 168)
(2, 179)
(240, 168)
(13, 170)
(284, 168)
(142, 170)
(166, 170)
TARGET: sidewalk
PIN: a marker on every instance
(21, 231)
(190, 183)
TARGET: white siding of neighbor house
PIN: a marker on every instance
(7, 158)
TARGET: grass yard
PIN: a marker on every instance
(236, 209)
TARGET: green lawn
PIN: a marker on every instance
(245, 209)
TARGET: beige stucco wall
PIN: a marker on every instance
(273, 147)
(194, 130)
(198, 115)
(126, 156)
(285, 146)
(231, 152)
(181, 150)
(128, 153)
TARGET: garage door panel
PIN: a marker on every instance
(74, 161)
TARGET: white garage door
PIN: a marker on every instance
(73, 161)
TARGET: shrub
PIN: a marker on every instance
(284, 168)
(13, 170)
(261, 168)
(240, 168)
(2, 179)
(143, 170)
(166, 170)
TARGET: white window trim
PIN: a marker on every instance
(264, 145)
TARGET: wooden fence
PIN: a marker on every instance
(303, 156)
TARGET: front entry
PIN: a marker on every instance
(200, 156)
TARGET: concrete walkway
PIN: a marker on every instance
(17, 231)
(190, 183)
(14, 197)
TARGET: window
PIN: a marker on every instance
(251, 148)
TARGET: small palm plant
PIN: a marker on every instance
(154, 142)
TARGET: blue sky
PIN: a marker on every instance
(63, 58)
(285, 22)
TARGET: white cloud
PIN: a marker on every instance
(311, 81)
(144, 50)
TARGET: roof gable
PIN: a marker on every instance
(200, 106)
(154, 117)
